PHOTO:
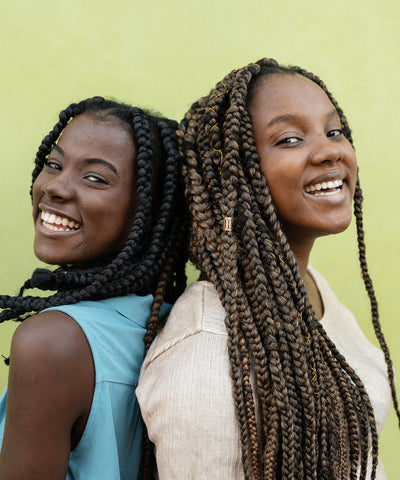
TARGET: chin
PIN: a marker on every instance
(49, 260)
(335, 228)
(337, 223)
(49, 256)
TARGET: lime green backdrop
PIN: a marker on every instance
(164, 54)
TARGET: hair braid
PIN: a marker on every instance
(316, 420)
(157, 232)
(358, 199)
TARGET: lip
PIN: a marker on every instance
(331, 196)
(68, 224)
(335, 198)
(327, 177)
(58, 213)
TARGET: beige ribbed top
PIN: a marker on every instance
(185, 390)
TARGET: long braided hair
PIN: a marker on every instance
(303, 412)
(153, 258)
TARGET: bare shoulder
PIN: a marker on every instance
(49, 338)
(50, 390)
(51, 359)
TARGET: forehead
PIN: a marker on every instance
(288, 94)
(88, 135)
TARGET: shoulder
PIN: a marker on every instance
(342, 327)
(197, 310)
(47, 345)
(130, 307)
(50, 390)
(185, 390)
(50, 359)
(52, 332)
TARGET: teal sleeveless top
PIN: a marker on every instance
(110, 447)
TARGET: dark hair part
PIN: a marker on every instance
(153, 258)
(302, 410)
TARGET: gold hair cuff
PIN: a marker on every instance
(227, 224)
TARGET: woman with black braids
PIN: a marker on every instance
(260, 372)
(107, 209)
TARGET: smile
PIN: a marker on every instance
(324, 188)
(56, 223)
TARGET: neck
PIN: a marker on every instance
(301, 252)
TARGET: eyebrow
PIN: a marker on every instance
(90, 160)
(103, 162)
(59, 149)
(289, 117)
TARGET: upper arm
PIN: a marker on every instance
(186, 400)
(50, 388)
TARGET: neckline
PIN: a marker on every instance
(314, 277)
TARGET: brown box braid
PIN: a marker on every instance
(316, 418)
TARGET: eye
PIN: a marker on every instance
(96, 179)
(336, 132)
(289, 141)
(53, 165)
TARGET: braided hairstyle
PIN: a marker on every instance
(303, 412)
(149, 260)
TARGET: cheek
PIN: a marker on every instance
(122, 218)
(353, 168)
(280, 184)
(280, 170)
(127, 204)
(129, 217)
(36, 194)
(36, 187)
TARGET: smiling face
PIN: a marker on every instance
(309, 165)
(84, 198)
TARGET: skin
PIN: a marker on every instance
(300, 143)
(88, 179)
(51, 376)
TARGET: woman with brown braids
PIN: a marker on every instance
(260, 372)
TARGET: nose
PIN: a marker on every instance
(58, 187)
(325, 150)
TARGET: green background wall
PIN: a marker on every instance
(164, 55)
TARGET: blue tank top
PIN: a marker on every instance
(110, 447)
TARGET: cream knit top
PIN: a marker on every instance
(185, 390)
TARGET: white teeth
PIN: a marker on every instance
(320, 194)
(58, 224)
(324, 186)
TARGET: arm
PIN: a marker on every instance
(185, 395)
(50, 389)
